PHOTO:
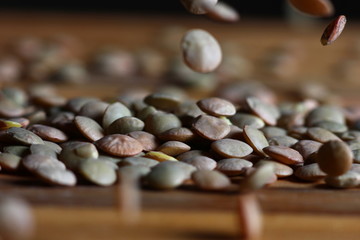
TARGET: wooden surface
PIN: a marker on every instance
(291, 210)
(90, 223)
(284, 196)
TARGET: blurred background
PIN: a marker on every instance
(136, 44)
(273, 8)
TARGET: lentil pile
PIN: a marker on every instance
(172, 139)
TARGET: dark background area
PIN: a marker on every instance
(260, 8)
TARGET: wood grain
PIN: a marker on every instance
(282, 196)
(90, 223)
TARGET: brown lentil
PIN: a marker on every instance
(211, 128)
(334, 158)
(119, 145)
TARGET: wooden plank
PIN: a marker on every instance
(90, 223)
(283, 196)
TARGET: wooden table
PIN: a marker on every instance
(291, 210)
